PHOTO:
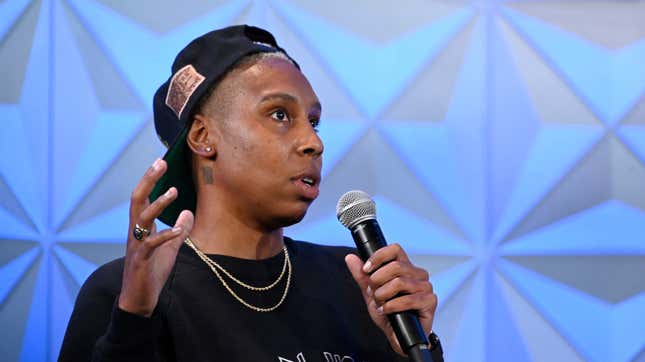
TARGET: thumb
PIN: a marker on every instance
(185, 221)
(355, 266)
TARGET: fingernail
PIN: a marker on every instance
(368, 291)
(169, 192)
(367, 266)
(176, 230)
(379, 310)
(157, 164)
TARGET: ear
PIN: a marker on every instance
(199, 138)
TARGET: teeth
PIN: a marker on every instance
(309, 181)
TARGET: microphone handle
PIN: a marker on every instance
(369, 238)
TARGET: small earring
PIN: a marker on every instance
(208, 149)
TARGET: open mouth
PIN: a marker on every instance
(308, 181)
(308, 186)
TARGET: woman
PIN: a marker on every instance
(223, 283)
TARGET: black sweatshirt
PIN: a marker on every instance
(323, 317)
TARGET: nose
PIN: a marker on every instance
(311, 144)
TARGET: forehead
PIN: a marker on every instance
(268, 75)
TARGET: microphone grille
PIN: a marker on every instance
(354, 207)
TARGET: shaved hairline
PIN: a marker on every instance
(217, 101)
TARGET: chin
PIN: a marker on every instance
(291, 218)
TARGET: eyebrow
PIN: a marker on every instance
(287, 98)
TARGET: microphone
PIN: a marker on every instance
(357, 212)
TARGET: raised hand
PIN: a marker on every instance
(391, 283)
(148, 261)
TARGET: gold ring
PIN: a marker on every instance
(139, 232)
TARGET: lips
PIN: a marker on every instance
(307, 184)
(308, 180)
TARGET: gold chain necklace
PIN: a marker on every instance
(215, 266)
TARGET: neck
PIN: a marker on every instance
(223, 233)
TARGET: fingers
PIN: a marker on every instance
(384, 255)
(398, 286)
(174, 236)
(394, 285)
(139, 198)
(423, 302)
(150, 213)
(398, 279)
(392, 277)
(395, 269)
(393, 273)
(150, 243)
(185, 221)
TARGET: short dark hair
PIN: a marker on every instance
(217, 98)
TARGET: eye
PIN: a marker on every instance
(280, 115)
(315, 122)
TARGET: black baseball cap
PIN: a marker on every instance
(197, 67)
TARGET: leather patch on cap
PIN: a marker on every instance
(182, 86)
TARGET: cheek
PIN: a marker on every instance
(241, 146)
(259, 160)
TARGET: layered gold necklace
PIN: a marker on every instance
(216, 268)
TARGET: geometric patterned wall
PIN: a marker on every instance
(504, 143)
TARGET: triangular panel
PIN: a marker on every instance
(33, 348)
(542, 340)
(99, 154)
(12, 272)
(113, 223)
(366, 60)
(142, 56)
(608, 228)
(571, 315)
(555, 151)
(428, 149)
(10, 11)
(472, 330)
(78, 267)
(634, 137)
(338, 135)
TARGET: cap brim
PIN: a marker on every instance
(178, 174)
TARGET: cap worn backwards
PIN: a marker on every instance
(197, 68)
